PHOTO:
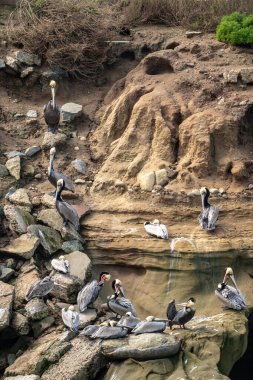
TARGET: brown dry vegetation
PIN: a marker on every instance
(72, 34)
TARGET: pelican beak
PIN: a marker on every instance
(107, 277)
(53, 96)
(225, 279)
(233, 279)
(122, 291)
(183, 304)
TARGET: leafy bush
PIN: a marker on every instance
(236, 29)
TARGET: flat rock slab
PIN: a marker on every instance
(6, 301)
(80, 264)
(24, 246)
(32, 150)
(43, 352)
(83, 361)
(49, 238)
(141, 347)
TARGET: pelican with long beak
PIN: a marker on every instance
(70, 318)
(89, 293)
(230, 296)
(40, 288)
(156, 229)
(182, 316)
(117, 302)
(150, 325)
(52, 111)
(91, 329)
(67, 212)
(128, 321)
(54, 176)
(209, 214)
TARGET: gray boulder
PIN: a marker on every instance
(50, 140)
(22, 57)
(21, 198)
(24, 246)
(18, 219)
(32, 150)
(3, 171)
(6, 273)
(80, 265)
(20, 324)
(79, 165)
(72, 246)
(49, 238)
(141, 347)
(36, 309)
(71, 111)
(66, 287)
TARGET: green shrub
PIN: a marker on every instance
(236, 29)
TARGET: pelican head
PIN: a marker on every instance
(52, 151)
(104, 276)
(52, 84)
(229, 274)
(191, 302)
(150, 318)
(117, 287)
(60, 184)
(71, 308)
(204, 191)
(59, 187)
(128, 314)
(156, 221)
(61, 257)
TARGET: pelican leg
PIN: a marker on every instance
(170, 324)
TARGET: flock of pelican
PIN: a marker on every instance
(125, 320)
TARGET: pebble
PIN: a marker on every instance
(76, 148)
(32, 150)
(38, 176)
(82, 138)
(19, 116)
(79, 181)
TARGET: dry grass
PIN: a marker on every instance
(70, 34)
(201, 14)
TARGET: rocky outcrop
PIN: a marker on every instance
(141, 347)
(85, 358)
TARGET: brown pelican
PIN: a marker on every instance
(209, 214)
(89, 293)
(150, 325)
(91, 329)
(182, 316)
(54, 176)
(128, 321)
(70, 318)
(52, 111)
(67, 212)
(110, 332)
(60, 265)
(156, 229)
(40, 288)
(230, 296)
(117, 302)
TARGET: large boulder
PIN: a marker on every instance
(23, 282)
(49, 238)
(43, 352)
(18, 219)
(50, 140)
(21, 198)
(142, 347)
(66, 287)
(36, 309)
(24, 246)
(6, 301)
(80, 265)
(70, 111)
(20, 324)
(51, 217)
(85, 358)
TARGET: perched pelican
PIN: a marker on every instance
(110, 332)
(182, 316)
(89, 293)
(117, 302)
(156, 229)
(150, 325)
(54, 176)
(91, 329)
(52, 111)
(70, 318)
(128, 321)
(209, 214)
(230, 296)
(60, 265)
(40, 288)
(67, 212)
